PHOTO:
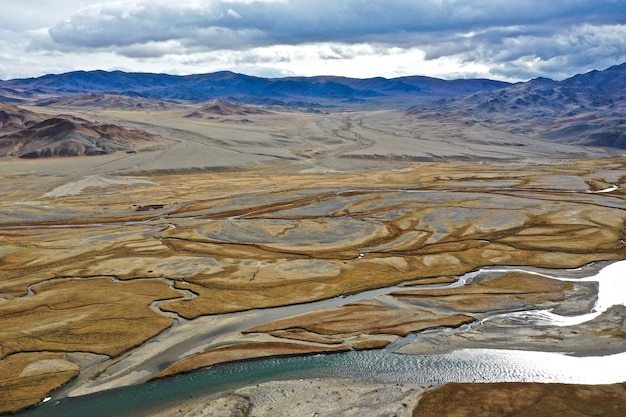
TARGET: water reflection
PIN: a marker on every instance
(612, 291)
(475, 365)
(468, 365)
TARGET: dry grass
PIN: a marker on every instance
(28, 377)
(518, 399)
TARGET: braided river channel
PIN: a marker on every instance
(465, 365)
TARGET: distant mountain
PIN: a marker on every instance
(14, 118)
(60, 136)
(225, 108)
(587, 109)
(107, 101)
(13, 96)
(248, 89)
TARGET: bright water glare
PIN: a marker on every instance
(467, 365)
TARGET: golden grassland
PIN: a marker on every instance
(517, 399)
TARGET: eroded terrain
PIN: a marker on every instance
(120, 273)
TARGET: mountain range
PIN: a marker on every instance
(587, 109)
(299, 91)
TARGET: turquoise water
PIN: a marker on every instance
(476, 365)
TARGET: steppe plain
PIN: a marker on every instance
(120, 268)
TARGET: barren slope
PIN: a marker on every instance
(60, 136)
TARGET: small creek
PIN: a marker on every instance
(611, 291)
(473, 365)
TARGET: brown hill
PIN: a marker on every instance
(14, 118)
(225, 108)
(108, 101)
(12, 96)
(60, 136)
(587, 109)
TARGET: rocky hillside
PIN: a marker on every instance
(225, 108)
(587, 109)
(107, 101)
(60, 136)
(14, 118)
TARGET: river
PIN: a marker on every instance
(473, 365)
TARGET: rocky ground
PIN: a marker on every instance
(314, 397)
(326, 398)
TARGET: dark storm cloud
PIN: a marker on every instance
(259, 23)
(527, 52)
(514, 39)
(302, 21)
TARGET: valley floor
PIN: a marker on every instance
(296, 233)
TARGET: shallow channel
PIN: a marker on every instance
(475, 365)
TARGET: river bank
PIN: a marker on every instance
(397, 381)
(228, 266)
(310, 397)
(275, 382)
(329, 398)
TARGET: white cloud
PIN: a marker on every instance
(528, 54)
(304, 21)
(361, 61)
(515, 40)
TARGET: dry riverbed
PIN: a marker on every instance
(98, 271)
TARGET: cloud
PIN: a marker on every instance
(153, 49)
(511, 40)
(302, 21)
(522, 54)
(20, 15)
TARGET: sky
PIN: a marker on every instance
(509, 40)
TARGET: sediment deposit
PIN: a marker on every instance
(101, 265)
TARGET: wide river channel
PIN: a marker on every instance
(473, 365)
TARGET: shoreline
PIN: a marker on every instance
(197, 392)
(585, 346)
(290, 239)
(135, 366)
(349, 398)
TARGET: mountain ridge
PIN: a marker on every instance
(14, 118)
(72, 136)
(586, 109)
(246, 88)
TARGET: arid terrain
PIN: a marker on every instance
(220, 232)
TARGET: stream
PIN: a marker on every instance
(465, 365)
